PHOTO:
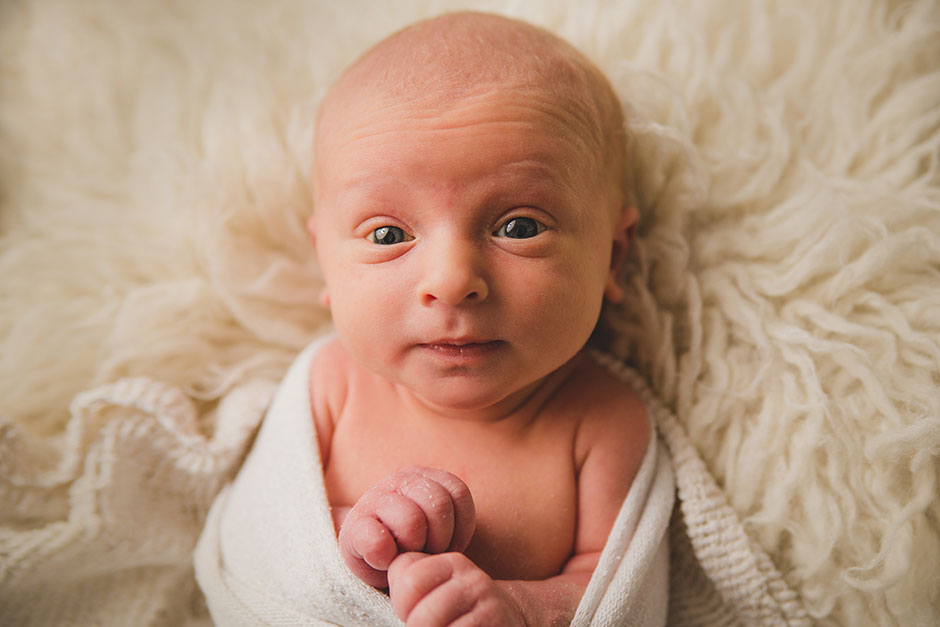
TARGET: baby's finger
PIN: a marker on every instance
(443, 605)
(448, 505)
(368, 548)
(412, 576)
(437, 508)
(464, 510)
(403, 563)
(405, 519)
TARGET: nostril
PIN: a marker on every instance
(454, 287)
(470, 296)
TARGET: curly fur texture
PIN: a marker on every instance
(784, 292)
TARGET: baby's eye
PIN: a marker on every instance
(388, 235)
(520, 228)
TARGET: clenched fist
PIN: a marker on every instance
(416, 509)
(448, 589)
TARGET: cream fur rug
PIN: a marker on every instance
(154, 172)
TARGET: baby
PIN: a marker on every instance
(470, 221)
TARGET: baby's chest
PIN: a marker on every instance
(524, 491)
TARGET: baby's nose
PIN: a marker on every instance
(453, 275)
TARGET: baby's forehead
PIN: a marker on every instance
(535, 106)
(457, 56)
(445, 62)
(511, 125)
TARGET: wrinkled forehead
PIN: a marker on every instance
(537, 110)
(543, 103)
(488, 133)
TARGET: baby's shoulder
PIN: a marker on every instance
(330, 370)
(611, 415)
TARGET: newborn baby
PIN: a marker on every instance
(470, 220)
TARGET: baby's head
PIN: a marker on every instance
(470, 206)
(439, 63)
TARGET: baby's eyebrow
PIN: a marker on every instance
(537, 175)
(363, 195)
(537, 169)
(537, 179)
(365, 183)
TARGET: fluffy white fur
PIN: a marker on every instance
(784, 294)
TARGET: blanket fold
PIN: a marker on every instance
(269, 556)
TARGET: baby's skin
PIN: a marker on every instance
(469, 223)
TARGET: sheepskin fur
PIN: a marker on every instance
(784, 294)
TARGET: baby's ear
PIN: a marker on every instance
(624, 232)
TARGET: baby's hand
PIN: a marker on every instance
(439, 590)
(415, 509)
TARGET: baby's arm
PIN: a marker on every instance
(440, 589)
(415, 509)
(614, 443)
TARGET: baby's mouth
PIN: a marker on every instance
(463, 351)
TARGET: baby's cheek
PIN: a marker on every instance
(365, 322)
(572, 296)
